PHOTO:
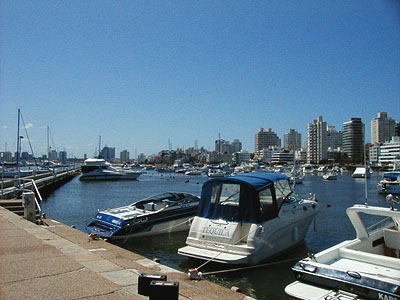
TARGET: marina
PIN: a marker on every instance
(76, 202)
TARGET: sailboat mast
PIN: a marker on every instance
(18, 146)
(99, 145)
(48, 144)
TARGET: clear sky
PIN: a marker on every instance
(141, 72)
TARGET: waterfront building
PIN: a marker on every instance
(353, 139)
(124, 156)
(62, 157)
(382, 128)
(216, 157)
(265, 139)
(334, 138)
(300, 155)
(292, 140)
(384, 154)
(227, 147)
(317, 146)
(108, 153)
(265, 154)
(283, 158)
(241, 156)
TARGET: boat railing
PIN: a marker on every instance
(35, 190)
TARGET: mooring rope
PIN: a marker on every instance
(253, 267)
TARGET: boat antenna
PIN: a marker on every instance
(365, 165)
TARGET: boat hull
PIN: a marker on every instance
(275, 237)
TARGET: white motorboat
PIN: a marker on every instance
(307, 169)
(390, 182)
(322, 169)
(247, 218)
(99, 169)
(330, 176)
(193, 171)
(367, 267)
(360, 172)
(216, 173)
(163, 213)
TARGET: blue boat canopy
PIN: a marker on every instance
(249, 197)
(391, 175)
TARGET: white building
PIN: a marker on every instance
(382, 128)
(283, 158)
(241, 156)
(386, 152)
(265, 154)
(317, 146)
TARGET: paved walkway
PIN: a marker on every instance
(59, 262)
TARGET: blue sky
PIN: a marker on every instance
(141, 72)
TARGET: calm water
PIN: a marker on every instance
(76, 202)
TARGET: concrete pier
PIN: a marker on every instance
(59, 262)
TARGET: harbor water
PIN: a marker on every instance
(77, 202)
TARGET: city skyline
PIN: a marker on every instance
(139, 74)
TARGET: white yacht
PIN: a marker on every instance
(99, 169)
(360, 172)
(330, 176)
(247, 218)
(367, 267)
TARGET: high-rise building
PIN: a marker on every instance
(353, 139)
(334, 138)
(236, 145)
(53, 155)
(222, 146)
(124, 156)
(382, 128)
(62, 156)
(292, 140)
(265, 139)
(108, 153)
(317, 146)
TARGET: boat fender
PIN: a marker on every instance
(313, 206)
(304, 208)
(194, 274)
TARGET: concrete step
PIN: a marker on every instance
(11, 202)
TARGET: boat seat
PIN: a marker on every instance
(392, 239)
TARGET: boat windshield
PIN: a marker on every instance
(282, 189)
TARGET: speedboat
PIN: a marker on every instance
(247, 218)
(193, 171)
(162, 213)
(367, 267)
(330, 176)
(99, 169)
(390, 182)
(360, 172)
